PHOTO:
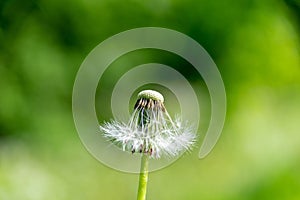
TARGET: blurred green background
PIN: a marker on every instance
(256, 46)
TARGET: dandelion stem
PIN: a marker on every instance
(143, 180)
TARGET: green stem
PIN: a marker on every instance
(142, 190)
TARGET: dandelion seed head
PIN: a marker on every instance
(150, 129)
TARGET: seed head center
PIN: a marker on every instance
(151, 94)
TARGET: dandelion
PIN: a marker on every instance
(151, 132)
(150, 129)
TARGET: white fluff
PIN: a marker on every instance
(159, 135)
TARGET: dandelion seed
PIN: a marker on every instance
(150, 129)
